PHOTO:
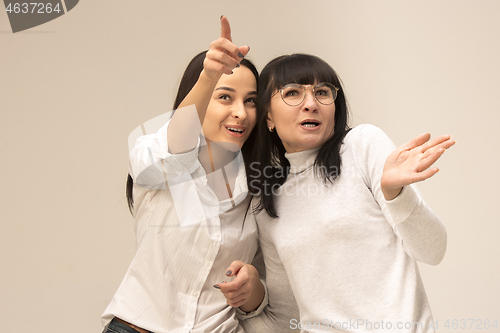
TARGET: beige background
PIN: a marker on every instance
(73, 89)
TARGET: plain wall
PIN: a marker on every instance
(73, 89)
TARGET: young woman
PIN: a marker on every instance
(341, 224)
(190, 202)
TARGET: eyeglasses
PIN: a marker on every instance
(294, 94)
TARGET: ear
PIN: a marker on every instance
(269, 120)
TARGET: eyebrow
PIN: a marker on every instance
(233, 91)
(225, 88)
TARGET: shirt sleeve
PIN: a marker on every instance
(258, 263)
(421, 231)
(151, 164)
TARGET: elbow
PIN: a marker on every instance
(432, 259)
(436, 258)
(436, 252)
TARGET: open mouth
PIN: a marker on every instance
(235, 130)
(310, 123)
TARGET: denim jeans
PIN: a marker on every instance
(115, 326)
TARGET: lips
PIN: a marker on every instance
(235, 130)
(310, 124)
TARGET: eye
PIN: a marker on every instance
(291, 93)
(322, 92)
(250, 100)
(225, 97)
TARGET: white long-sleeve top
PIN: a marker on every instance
(186, 240)
(347, 255)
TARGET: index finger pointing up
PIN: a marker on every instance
(225, 29)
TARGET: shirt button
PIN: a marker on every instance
(195, 294)
(208, 264)
(190, 324)
(217, 235)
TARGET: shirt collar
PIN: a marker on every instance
(301, 160)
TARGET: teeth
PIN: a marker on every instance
(310, 125)
(235, 130)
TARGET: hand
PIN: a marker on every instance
(223, 56)
(410, 163)
(244, 287)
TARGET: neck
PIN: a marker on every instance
(216, 155)
(302, 160)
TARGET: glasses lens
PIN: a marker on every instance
(325, 93)
(293, 94)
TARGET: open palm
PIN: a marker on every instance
(411, 163)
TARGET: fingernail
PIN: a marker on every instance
(229, 273)
(237, 65)
(241, 55)
(216, 286)
(221, 17)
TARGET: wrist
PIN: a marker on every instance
(256, 298)
(210, 79)
(391, 194)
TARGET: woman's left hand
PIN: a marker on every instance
(245, 288)
(411, 163)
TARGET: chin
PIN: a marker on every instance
(228, 145)
(234, 147)
(237, 144)
(311, 145)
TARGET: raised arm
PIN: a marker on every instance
(222, 57)
(390, 174)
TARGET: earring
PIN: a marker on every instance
(271, 129)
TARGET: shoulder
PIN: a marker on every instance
(365, 142)
(366, 136)
(364, 133)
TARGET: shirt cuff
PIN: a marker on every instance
(240, 314)
(403, 205)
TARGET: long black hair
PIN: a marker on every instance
(189, 79)
(302, 69)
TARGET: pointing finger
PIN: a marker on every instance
(225, 28)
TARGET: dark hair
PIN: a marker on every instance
(189, 79)
(302, 69)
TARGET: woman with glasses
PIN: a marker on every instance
(189, 199)
(341, 224)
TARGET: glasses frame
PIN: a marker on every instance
(304, 87)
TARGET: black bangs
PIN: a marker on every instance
(302, 69)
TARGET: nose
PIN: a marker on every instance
(239, 111)
(310, 102)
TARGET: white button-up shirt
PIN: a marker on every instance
(186, 240)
